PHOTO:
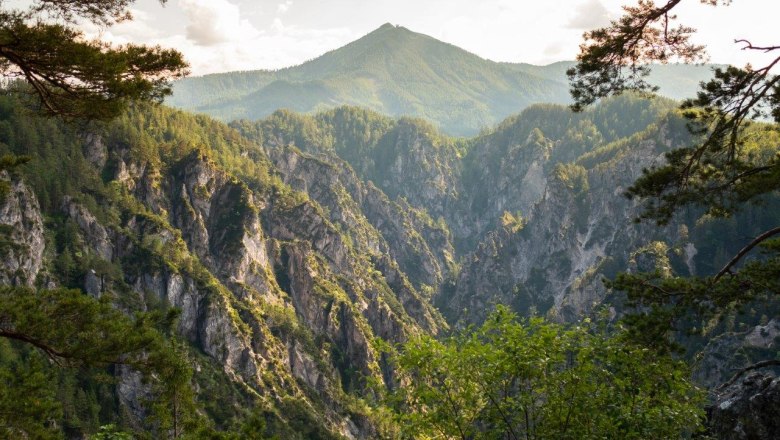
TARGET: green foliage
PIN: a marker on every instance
(89, 334)
(109, 432)
(69, 76)
(715, 178)
(89, 331)
(304, 423)
(28, 402)
(531, 379)
(48, 154)
(513, 223)
(729, 163)
(9, 162)
(617, 57)
(355, 130)
(574, 177)
(173, 411)
(164, 138)
(666, 300)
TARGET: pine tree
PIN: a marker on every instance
(69, 76)
(733, 161)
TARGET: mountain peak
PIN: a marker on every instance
(396, 71)
(390, 29)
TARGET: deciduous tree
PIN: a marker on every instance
(515, 379)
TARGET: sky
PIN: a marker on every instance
(228, 35)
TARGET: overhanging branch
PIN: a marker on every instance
(756, 241)
(756, 366)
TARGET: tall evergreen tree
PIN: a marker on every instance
(63, 74)
(721, 172)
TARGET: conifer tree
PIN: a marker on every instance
(67, 75)
(721, 172)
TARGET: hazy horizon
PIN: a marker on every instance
(240, 35)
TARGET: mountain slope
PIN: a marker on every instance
(676, 81)
(397, 72)
(299, 247)
(535, 208)
(286, 268)
(391, 70)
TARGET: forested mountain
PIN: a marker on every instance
(397, 72)
(298, 248)
(281, 297)
(676, 81)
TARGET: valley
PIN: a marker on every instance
(316, 252)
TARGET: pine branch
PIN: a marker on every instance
(756, 366)
(756, 241)
(749, 46)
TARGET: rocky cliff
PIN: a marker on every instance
(22, 240)
(578, 229)
(285, 275)
(747, 409)
(297, 247)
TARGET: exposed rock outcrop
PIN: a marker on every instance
(288, 264)
(748, 409)
(95, 235)
(553, 264)
(21, 235)
(261, 274)
(731, 351)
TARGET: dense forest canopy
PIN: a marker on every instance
(347, 274)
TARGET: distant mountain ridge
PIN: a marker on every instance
(395, 71)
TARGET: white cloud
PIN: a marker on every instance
(589, 15)
(137, 30)
(224, 35)
(211, 22)
(280, 46)
(284, 7)
(215, 36)
(277, 25)
(219, 37)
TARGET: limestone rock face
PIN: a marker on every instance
(21, 235)
(552, 264)
(503, 173)
(748, 409)
(291, 255)
(95, 150)
(414, 164)
(732, 351)
(96, 236)
(270, 279)
(131, 393)
(377, 225)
